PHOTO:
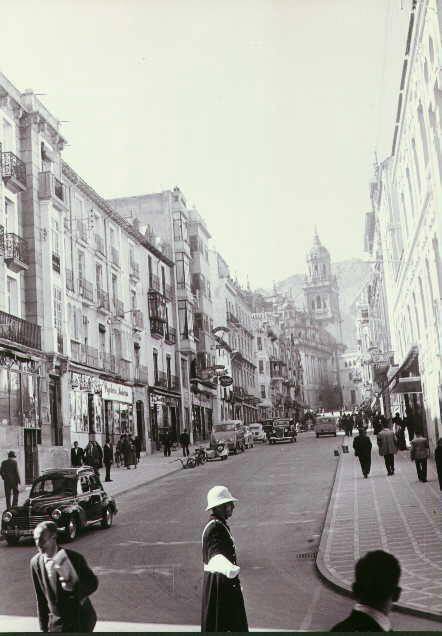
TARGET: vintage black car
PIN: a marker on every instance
(283, 431)
(71, 497)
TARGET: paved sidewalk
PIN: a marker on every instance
(151, 467)
(398, 514)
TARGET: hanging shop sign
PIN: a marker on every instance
(84, 382)
(117, 392)
(226, 380)
(163, 400)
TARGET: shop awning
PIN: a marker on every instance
(411, 384)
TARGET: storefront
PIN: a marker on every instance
(99, 409)
(20, 421)
(164, 416)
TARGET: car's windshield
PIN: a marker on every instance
(53, 485)
(219, 428)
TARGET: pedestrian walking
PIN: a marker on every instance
(125, 449)
(166, 443)
(387, 444)
(63, 582)
(411, 425)
(11, 478)
(362, 447)
(438, 460)
(399, 430)
(108, 459)
(132, 452)
(376, 588)
(185, 441)
(137, 444)
(77, 455)
(419, 453)
(223, 607)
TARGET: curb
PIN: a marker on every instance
(329, 579)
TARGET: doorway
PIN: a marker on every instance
(141, 431)
(31, 454)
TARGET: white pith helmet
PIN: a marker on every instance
(219, 495)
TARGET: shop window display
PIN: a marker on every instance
(19, 397)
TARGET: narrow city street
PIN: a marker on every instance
(149, 562)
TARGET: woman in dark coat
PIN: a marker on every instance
(223, 607)
(438, 460)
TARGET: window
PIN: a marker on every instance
(55, 234)
(261, 366)
(259, 343)
(99, 275)
(133, 299)
(58, 308)
(155, 365)
(11, 221)
(13, 299)
(263, 391)
(8, 137)
(168, 371)
(163, 280)
(184, 374)
(84, 484)
(180, 230)
(149, 269)
(114, 287)
(81, 265)
(185, 318)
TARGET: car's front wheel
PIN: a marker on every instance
(11, 541)
(71, 532)
(108, 517)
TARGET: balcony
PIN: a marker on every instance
(156, 327)
(137, 320)
(99, 244)
(103, 299)
(161, 379)
(119, 308)
(13, 172)
(154, 283)
(115, 257)
(70, 285)
(107, 362)
(168, 292)
(141, 376)
(134, 270)
(56, 262)
(174, 382)
(122, 369)
(52, 189)
(86, 290)
(15, 251)
(20, 331)
(84, 354)
(170, 335)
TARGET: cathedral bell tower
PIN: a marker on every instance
(321, 288)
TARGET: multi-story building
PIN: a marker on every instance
(351, 379)
(408, 209)
(267, 350)
(167, 214)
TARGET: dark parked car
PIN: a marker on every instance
(71, 497)
(283, 431)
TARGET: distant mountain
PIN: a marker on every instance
(351, 276)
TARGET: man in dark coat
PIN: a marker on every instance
(108, 459)
(62, 594)
(166, 443)
(185, 441)
(11, 479)
(223, 607)
(77, 455)
(137, 444)
(387, 443)
(376, 588)
(362, 448)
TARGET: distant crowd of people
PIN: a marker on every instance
(127, 452)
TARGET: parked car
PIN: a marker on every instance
(231, 432)
(267, 426)
(248, 437)
(326, 424)
(258, 432)
(283, 431)
(71, 497)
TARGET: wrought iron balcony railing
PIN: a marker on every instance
(70, 285)
(20, 331)
(168, 292)
(86, 289)
(156, 327)
(170, 335)
(161, 379)
(49, 187)
(123, 369)
(13, 171)
(137, 320)
(119, 308)
(141, 375)
(15, 250)
(173, 382)
(103, 299)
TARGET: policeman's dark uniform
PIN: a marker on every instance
(223, 607)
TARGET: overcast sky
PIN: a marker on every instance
(266, 114)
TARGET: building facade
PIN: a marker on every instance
(408, 212)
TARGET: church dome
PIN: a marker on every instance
(318, 251)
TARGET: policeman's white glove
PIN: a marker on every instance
(220, 565)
